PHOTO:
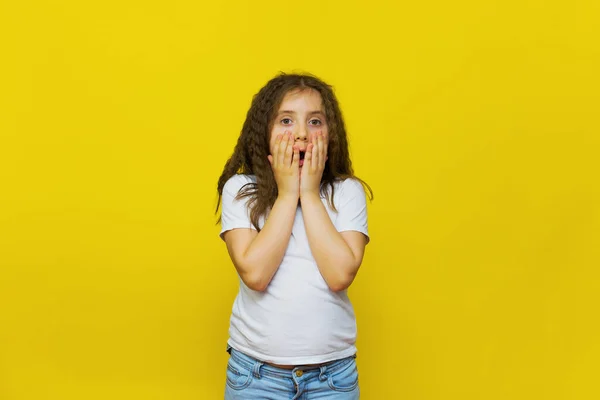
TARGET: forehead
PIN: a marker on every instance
(302, 99)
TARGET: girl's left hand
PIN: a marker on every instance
(314, 164)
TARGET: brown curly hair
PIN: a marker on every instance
(250, 153)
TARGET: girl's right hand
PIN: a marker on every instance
(285, 161)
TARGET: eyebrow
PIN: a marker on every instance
(293, 112)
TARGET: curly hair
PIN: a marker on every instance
(252, 148)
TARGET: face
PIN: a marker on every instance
(301, 113)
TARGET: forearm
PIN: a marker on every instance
(265, 253)
(336, 261)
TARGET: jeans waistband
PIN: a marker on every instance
(250, 363)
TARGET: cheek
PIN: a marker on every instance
(321, 129)
(277, 130)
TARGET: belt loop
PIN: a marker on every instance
(322, 375)
(256, 369)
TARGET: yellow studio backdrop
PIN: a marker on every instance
(475, 122)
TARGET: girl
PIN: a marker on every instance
(294, 220)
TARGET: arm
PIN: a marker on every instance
(257, 255)
(338, 250)
(338, 254)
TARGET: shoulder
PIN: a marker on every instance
(350, 187)
(236, 182)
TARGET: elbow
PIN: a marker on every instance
(255, 281)
(341, 282)
(338, 287)
(343, 276)
(256, 285)
(251, 276)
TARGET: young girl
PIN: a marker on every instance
(294, 219)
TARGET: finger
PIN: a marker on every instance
(276, 148)
(270, 157)
(289, 153)
(308, 156)
(321, 150)
(282, 147)
(315, 153)
(325, 148)
(296, 158)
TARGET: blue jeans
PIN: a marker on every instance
(251, 379)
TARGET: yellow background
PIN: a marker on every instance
(475, 122)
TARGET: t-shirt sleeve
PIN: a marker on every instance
(352, 208)
(234, 213)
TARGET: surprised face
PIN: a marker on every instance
(301, 114)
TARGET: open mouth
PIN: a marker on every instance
(301, 158)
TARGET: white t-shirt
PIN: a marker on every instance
(297, 320)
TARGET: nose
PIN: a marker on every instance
(301, 134)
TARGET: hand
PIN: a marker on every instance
(314, 164)
(285, 160)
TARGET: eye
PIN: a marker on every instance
(315, 122)
(286, 121)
